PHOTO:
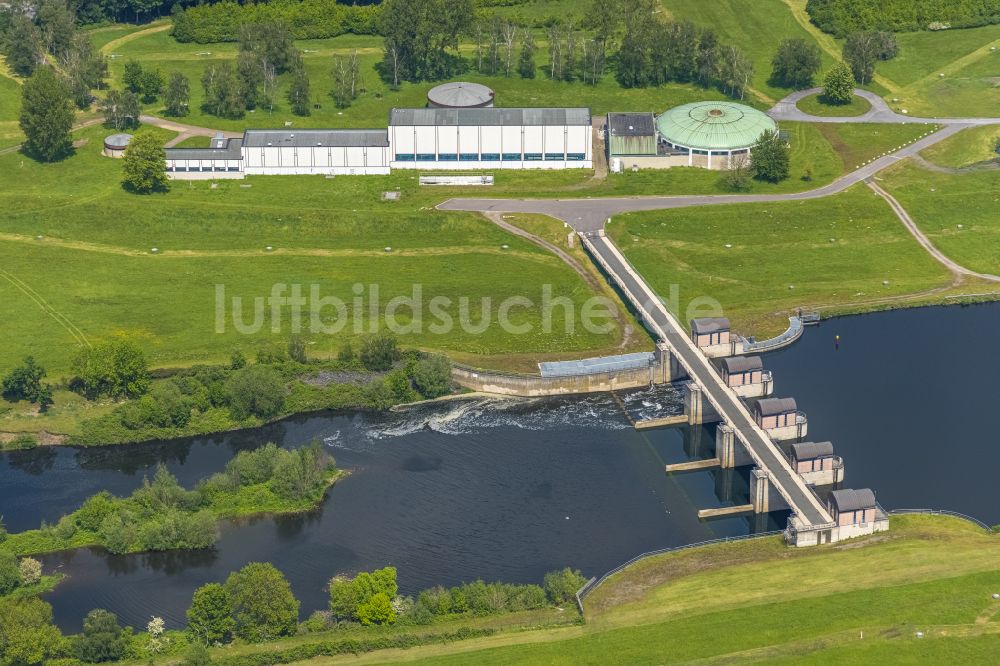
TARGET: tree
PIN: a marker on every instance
(85, 68)
(58, 24)
(708, 57)
(46, 116)
(795, 63)
(272, 43)
(349, 596)
(237, 360)
(121, 109)
(264, 607)
(769, 157)
(863, 49)
(838, 86)
(132, 76)
(379, 351)
(222, 91)
(256, 390)
(143, 169)
(738, 178)
(561, 586)
(27, 635)
(152, 84)
(418, 35)
(297, 349)
(178, 95)
(103, 639)
(526, 59)
(432, 375)
(298, 92)
(116, 368)
(346, 80)
(210, 617)
(24, 382)
(10, 575)
(30, 571)
(23, 48)
(377, 610)
(735, 71)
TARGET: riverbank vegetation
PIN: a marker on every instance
(162, 515)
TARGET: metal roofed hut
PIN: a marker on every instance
(710, 331)
(740, 370)
(773, 413)
(853, 507)
(631, 134)
(460, 95)
(711, 134)
(115, 144)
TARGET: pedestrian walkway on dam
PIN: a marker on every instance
(800, 498)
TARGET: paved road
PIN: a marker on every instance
(590, 214)
(733, 411)
(879, 113)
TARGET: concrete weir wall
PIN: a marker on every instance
(662, 371)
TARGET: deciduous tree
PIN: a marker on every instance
(23, 45)
(264, 607)
(46, 116)
(838, 86)
(27, 635)
(795, 63)
(143, 169)
(24, 382)
(210, 617)
(178, 95)
(769, 157)
(103, 639)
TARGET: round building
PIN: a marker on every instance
(115, 145)
(710, 135)
(460, 95)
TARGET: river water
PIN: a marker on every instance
(510, 489)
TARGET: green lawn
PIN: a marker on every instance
(968, 147)
(858, 602)
(924, 53)
(971, 90)
(837, 251)
(10, 109)
(814, 104)
(957, 212)
(856, 143)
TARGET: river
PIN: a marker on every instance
(510, 489)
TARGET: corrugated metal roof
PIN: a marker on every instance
(490, 116)
(631, 124)
(307, 138)
(742, 363)
(709, 324)
(231, 151)
(772, 406)
(594, 365)
(852, 500)
(810, 450)
(713, 125)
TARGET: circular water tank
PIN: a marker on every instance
(460, 95)
(115, 145)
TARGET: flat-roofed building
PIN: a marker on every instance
(316, 151)
(491, 138)
(222, 159)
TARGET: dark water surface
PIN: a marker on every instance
(502, 490)
(909, 399)
(510, 489)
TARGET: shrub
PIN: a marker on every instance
(24, 382)
(117, 368)
(264, 607)
(10, 575)
(432, 375)
(377, 610)
(103, 639)
(255, 391)
(30, 570)
(210, 618)
(307, 19)
(769, 157)
(27, 635)
(379, 351)
(561, 586)
(297, 349)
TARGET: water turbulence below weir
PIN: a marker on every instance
(499, 489)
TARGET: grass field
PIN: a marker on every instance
(861, 601)
(958, 212)
(837, 251)
(10, 109)
(968, 147)
(927, 52)
(814, 104)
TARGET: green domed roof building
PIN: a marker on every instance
(707, 130)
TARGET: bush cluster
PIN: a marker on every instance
(841, 17)
(307, 19)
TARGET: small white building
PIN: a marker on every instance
(222, 159)
(316, 151)
(491, 138)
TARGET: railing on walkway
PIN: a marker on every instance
(791, 334)
(594, 583)
(943, 512)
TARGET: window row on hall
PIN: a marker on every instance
(490, 157)
(179, 167)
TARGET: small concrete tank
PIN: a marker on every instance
(460, 95)
(115, 145)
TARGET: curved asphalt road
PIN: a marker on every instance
(590, 214)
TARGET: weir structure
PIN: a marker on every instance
(740, 438)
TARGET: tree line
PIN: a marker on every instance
(307, 19)
(842, 17)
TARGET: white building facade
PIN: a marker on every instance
(491, 138)
(425, 139)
